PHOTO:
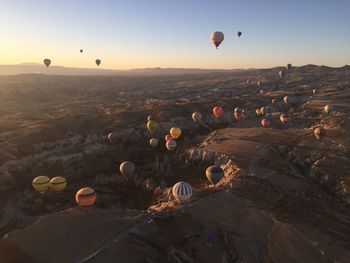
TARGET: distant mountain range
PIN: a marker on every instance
(30, 68)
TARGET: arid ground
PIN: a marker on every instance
(285, 196)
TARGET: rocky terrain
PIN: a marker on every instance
(285, 196)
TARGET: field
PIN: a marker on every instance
(285, 196)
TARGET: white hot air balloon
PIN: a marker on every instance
(182, 191)
(216, 38)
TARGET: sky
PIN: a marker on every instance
(128, 34)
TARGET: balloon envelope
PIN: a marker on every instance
(81, 51)
(113, 137)
(152, 126)
(218, 111)
(328, 108)
(58, 184)
(182, 191)
(127, 168)
(196, 116)
(216, 38)
(175, 132)
(239, 33)
(168, 137)
(265, 122)
(153, 142)
(214, 174)
(41, 183)
(284, 118)
(171, 145)
(85, 197)
(98, 62)
(47, 62)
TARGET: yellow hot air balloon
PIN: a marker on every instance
(175, 132)
(152, 126)
(58, 184)
(41, 183)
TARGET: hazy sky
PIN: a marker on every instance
(175, 33)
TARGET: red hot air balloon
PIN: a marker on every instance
(168, 137)
(265, 122)
(218, 111)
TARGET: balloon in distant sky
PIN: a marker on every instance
(239, 33)
(47, 62)
(274, 101)
(182, 191)
(288, 66)
(41, 183)
(98, 62)
(314, 91)
(81, 51)
(218, 111)
(175, 132)
(284, 118)
(216, 38)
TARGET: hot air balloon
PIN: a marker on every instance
(274, 101)
(262, 92)
(41, 183)
(127, 169)
(153, 142)
(152, 126)
(98, 62)
(168, 137)
(182, 192)
(328, 108)
(81, 51)
(196, 117)
(216, 38)
(264, 110)
(286, 100)
(288, 66)
(175, 132)
(318, 132)
(85, 197)
(171, 145)
(214, 174)
(151, 118)
(282, 74)
(284, 118)
(58, 184)
(239, 33)
(314, 91)
(258, 112)
(113, 137)
(248, 81)
(47, 62)
(218, 111)
(265, 122)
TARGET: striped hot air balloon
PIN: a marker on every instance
(182, 192)
(58, 184)
(41, 183)
(85, 197)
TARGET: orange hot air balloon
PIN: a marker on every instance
(218, 111)
(85, 197)
(168, 137)
(265, 122)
